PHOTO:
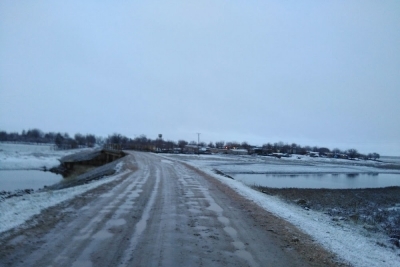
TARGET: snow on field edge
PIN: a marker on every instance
(347, 242)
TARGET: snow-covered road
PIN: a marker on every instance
(156, 212)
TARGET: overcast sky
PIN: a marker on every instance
(319, 73)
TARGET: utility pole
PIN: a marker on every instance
(198, 143)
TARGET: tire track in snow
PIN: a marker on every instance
(141, 225)
(237, 243)
(190, 183)
(96, 229)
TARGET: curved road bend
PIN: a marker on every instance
(160, 213)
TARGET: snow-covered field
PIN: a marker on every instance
(295, 164)
(351, 243)
(30, 157)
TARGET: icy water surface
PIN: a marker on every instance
(11, 180)
(332, 181)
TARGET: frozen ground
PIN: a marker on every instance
(351, 243)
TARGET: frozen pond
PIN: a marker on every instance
(332, 181)
(11, 180)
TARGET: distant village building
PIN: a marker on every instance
(256, 150)
(313, 154)
(191, 149)
(238, 151)
(218, 150)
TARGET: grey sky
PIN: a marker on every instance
(323, 73)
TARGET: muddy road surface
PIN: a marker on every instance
(159, 213)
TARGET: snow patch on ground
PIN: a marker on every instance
(15, 211)
(119, 166)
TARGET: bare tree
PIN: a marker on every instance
(246, 146)
(80, 139)
(115, 138)
(267, 148)
(220, 144)
(34, 135)
(202, 144)
(374, 156)
(59, 140)
(232, 145)
(182, 144)
(323, 151)
(90, 140)
(286, 148)
(49, 137)
(3, 136)
(352, 153)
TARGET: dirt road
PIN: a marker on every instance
(159, 213)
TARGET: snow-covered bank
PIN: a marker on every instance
(349, 242)
(30, 157)
(17, 210)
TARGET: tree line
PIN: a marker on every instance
(145, 144)
(60, 140)
(142, 143)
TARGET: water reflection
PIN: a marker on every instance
(352, 175)
(321, 180)
(11, 180)
(297, 175)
